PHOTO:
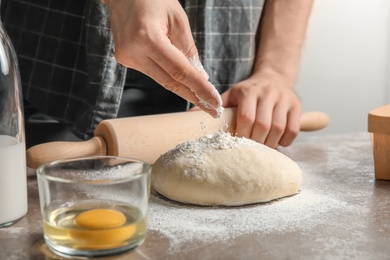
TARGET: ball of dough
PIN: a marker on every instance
(220, 169)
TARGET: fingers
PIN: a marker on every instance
(270, 117)
(246, 117)
(284, 127)
(161, 76)
(183, 76)
(180, 69)
(263, 122)
(179, 58)
(272, 127)
(292, 127)
(265, 125)
(182, 39)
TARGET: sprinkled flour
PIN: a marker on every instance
(194, 150)
(182, 223)
(220, 108)
(195, 62)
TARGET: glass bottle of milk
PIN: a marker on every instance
(13, 175)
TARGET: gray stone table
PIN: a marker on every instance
(340, 213)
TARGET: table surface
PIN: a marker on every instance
(340, 212)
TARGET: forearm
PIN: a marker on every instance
(280, 39)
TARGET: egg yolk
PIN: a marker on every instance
(100, 219)
(101, 229)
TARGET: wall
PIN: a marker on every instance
(345, 69)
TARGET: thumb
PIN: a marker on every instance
(179, 32)
(181, 37)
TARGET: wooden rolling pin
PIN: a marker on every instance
(147, 137)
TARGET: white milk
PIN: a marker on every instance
(13, 180)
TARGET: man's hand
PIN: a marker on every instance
(267, 111)
(154, 37)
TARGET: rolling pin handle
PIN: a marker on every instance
(47, 152)
(313, 121)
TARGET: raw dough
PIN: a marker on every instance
(220, 169)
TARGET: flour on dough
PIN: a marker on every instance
(220, 169)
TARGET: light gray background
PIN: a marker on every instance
(345, 68)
